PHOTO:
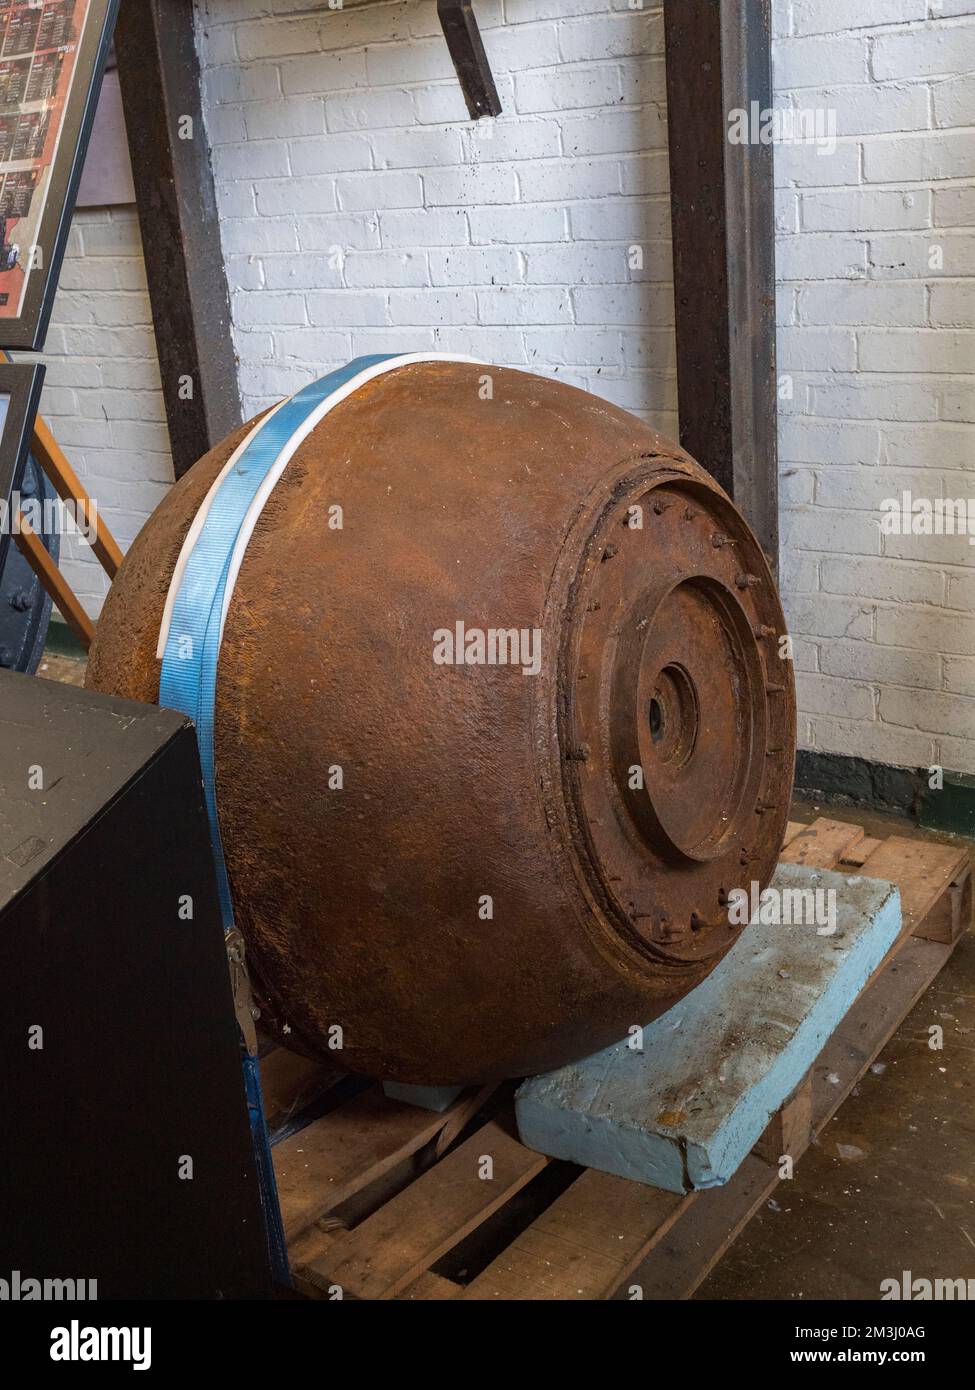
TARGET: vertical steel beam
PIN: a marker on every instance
(722, 212)
(159, 73)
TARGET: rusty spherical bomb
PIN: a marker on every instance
(493, 752)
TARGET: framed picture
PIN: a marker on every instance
(52, 56)
(20, 394)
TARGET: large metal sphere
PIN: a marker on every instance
(518, 866)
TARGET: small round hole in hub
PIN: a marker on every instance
(656, 715)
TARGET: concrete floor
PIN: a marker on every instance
(890, 1185)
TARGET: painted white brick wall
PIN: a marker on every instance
(362, 212)
(102, 395)
(876, 259)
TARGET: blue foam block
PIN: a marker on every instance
(686, 1111)
(436, 1098)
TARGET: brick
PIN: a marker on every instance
(392, 269)
(614, 132)
(412, 149)
(863, 302)
(891, 580)
(820, 257)
(304, 196)
(365, 110)
(953, 305)
(346, 231)
(960, 679)
(633, 220)
(517, 226)
(870, 210)
(632, 32)
(348, 308)
(817, 166)
(863, 397)
(926, 446)
(828, 441)
(903, 255)
(813, 62)
(575, 346)
(331, 154)
(870, 109)
(940, 48)
(821, 615)
(432, 306)
(473, 185)
(523, 305)
(326, 72)
(881, 743)
(566, 89)
(815, 349)
(929, 710)
(824, 695)
(866, 661)
(820, 529)
(954, 207)
(954, 101)
(926, 629)
(908, 158)
(628, 304)
(820, 16)
(363, 192)
(426, 227)
(912, 350)
(476, 265)
(278, 119)
(561, 180)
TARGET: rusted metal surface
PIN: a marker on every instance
(366, 908)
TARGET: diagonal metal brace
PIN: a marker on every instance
(467, 50)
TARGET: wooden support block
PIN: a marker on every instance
(584, 1245)
(437, 1098)
(333, 1158)
(924, 871)
(388, 1251)
(289, 1083)
(951, 915)
(789, 1132)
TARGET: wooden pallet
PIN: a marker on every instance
(375, 1193)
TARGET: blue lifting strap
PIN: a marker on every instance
(189, 679)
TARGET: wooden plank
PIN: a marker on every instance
(159, 74)
(289, 1083)
(722, 214)
(430, 1288)
(822, 844)
(923, 871)
(389, 1250)
(585, 1244)
(327, 1162)
(871, 1023)
(680, 1262)
(36, 554)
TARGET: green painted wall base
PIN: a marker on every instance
(835, 777)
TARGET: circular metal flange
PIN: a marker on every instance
(676, 727)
